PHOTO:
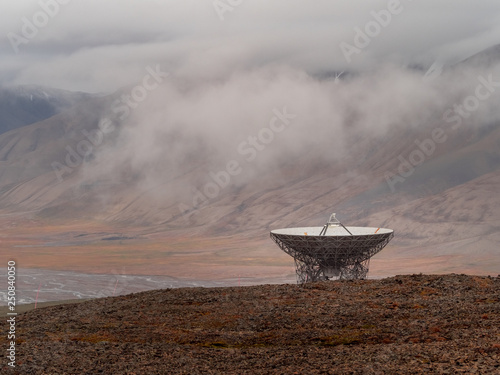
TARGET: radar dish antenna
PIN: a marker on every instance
(331, 251)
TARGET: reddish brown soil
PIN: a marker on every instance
(413, 324)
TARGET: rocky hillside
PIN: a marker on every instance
(415, 324)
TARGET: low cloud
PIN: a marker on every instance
(188, 37)
(187, 130)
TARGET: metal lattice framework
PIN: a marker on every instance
(342, 255)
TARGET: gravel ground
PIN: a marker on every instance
(414, 324)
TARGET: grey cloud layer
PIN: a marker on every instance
(189, 129)
(102, 45)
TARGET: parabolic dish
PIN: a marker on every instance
(342, 252)
(332, 231)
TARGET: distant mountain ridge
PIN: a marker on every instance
(27, 104)
(448, 200)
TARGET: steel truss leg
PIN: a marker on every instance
(308, 272)
(357, 271)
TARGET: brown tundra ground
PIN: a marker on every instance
(414, 324)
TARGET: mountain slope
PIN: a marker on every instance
(173, 181)
(28, 104)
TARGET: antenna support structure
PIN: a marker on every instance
(333, 251)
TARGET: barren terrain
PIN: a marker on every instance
(415, 324)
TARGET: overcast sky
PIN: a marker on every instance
(101, 45)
